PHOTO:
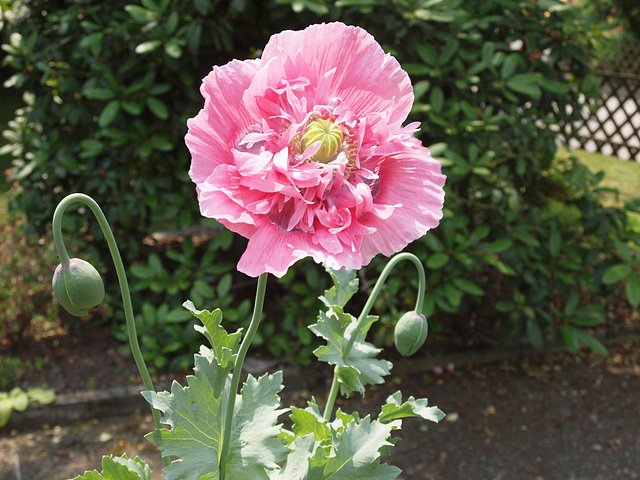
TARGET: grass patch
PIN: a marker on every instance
(624, 175)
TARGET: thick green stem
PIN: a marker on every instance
(122, 280)
(422, 285)
(237, 371)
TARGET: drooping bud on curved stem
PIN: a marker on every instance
(422, 283)
(76, 286)
(410, 333)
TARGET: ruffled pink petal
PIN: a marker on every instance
(214, 131)
(413, 180)
(361, 74)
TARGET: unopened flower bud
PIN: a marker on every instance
(77, 286)
(410, 333)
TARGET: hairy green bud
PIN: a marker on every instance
(77, 286)
(410, 333)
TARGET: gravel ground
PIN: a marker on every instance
(561, 417)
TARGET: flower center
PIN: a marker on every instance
(327, 134)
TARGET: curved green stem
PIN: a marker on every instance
(422, 285)
(122, 280)
(237, 371)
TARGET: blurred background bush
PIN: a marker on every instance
(527, 250)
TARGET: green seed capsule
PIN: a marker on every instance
(78, 287)
(410, 333)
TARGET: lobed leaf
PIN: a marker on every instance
(196, 417)
(360, 367)
(119, 468)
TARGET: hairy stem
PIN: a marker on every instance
(237, 371)
(422, 284)
(122, 280)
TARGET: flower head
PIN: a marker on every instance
(303, 152)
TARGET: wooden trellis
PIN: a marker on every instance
(612, 126)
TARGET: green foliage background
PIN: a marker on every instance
(526, 244)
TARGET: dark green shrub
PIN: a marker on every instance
(525, 242)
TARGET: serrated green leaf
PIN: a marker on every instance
(309, 421)
(361, 367)
(395, 409)
(195, 415)
(225, 346)
(297, 465)
(119, 468)
(345, 285)
(356, 454)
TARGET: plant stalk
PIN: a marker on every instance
(237, 371)
(122, 280)
(422, 285)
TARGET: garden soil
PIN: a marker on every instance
(552, 417)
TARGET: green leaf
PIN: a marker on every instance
(41, 395)
(19, 399)
(468, 286)
(437, 99)
(360, 367)
(309, 421)
(499, 245)
(569, 338)
(158, 108)
(588, 316)
(395, 409)
(225, 346)
(148, 46)
(109, 113)
(535, 334)
(119, 468)
(632, 289)
(555, 243)
(437, 261)
(616, 273)
(6, 408)
(554, 86)
(98, 93)
(509, 65)
(195, 415)
(526, 84)
(173, 49)
(356, 454)
(345, 285)
(590, 341)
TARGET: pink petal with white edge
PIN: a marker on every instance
(366, 78)
(213, 132)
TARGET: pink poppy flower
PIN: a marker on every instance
(303, 152)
